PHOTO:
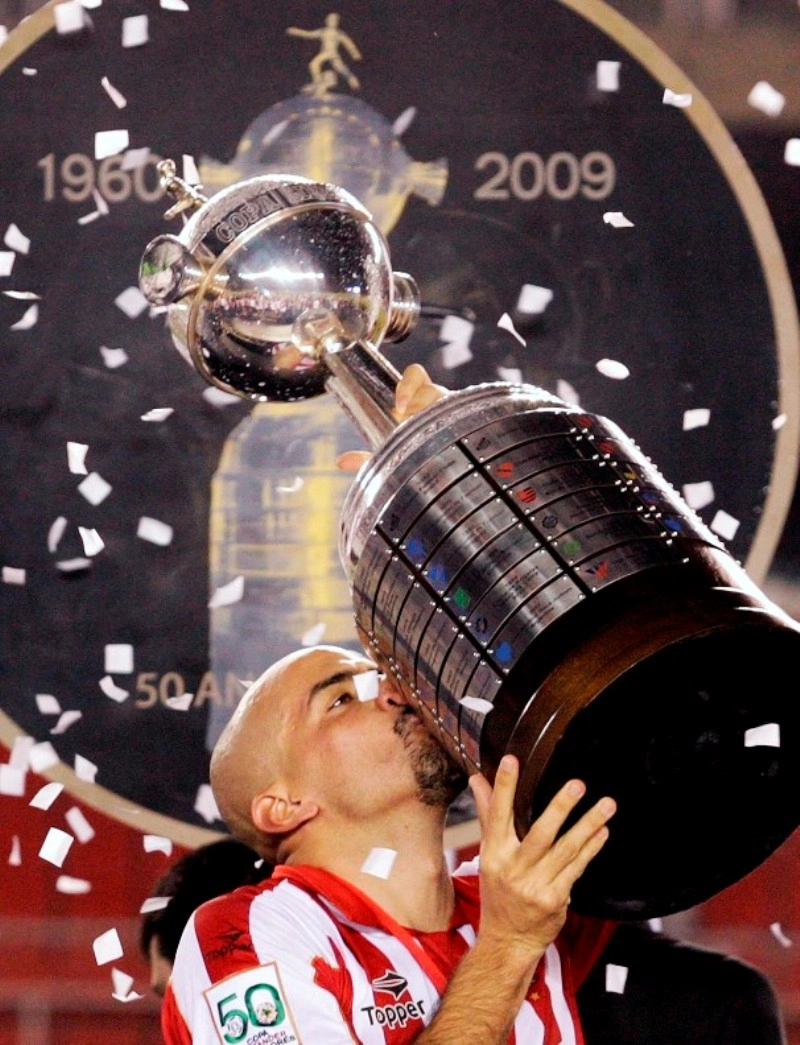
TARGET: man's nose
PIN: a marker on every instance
(389, 694)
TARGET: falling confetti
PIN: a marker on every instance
(314, 635)
(107, 947)
(70, 886)
(778, 422)
(227, 594)
(379, 862)
(76, 455)
(42, 757)
(766, 735)
(112, 690)
(109, 143)
(533, 300)
(135, 159)
(132, 302)
(791, 152)
(135, 31)
(47, 704)
(511, 374)
(46, 795)
(122, 984)
(113, 357)
(205, 804)
(505, 322)
(14, 575)
(154, 903)
(72, 565)
(697, 418)
(698, 495)
(404, 121)
(680, 101)
(725, 525)
(174, 5)
(158, 413)
(29, 319)
(79, 825)
(93, 543)
(157, 844)
(15, 240)
(12, 781)
(477, 704)
(67, 719)
(116, 96)
(118, 658)
(456, 333)
(780, 935)
(608, 76)
(94, 488)
(367, 684)
(216, 397)
(154, 531)
(55, 533)
(612, 368)
(7, 259)
(180, 703)
(84, 769)
(69, 17)
(616, 977)
(55, 847)
(764, 97)
(15, 856)
(617, 219)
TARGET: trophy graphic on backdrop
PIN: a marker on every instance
(524, 571)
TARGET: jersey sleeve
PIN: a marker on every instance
(247, 971)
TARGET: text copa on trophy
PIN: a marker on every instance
(526, 573)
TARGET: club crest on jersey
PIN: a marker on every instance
(250, 1008)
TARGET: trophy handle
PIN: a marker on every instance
(364, 382)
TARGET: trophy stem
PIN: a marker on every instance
(364, 382)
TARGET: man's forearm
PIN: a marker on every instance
(484, 996)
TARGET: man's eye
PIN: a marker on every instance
(343, 698)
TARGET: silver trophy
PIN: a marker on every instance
(523, 570)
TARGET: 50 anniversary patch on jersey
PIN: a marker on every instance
(250, 1008)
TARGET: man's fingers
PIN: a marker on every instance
(569, 847)
(415, 391)
(352, 460)
(497, 802)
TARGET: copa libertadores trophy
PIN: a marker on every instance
(533, 582)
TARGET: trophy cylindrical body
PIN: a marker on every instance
(537, 587)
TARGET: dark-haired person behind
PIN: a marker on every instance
(207, 872)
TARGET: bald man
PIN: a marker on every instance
(362, 934)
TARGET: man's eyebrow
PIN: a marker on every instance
(333, 680)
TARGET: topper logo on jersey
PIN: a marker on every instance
(399, 1013)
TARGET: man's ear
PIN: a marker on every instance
(276, 814)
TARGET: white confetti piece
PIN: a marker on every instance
(79, 825)
(205, 804)
(7, 259)
(218, 397)
(154, 903)
(87, 218)
(29, 319)
(3, 34)
(314, 635)
(656, 924)
(157, 844)
(47, 704)
(680, 101)
(21, 752)
(46, 795)
(791, 153)
(766, 735)
(70, 886)
(780, 935)
(22, 295)
(612, 368)
(725, 525)
(72, 565)
(15, 240)
(778, 422)
(132, 302)
(100, 202)
(135, 31)
(109, 143)
(227, 594)
(456, 333)
(94, 488)
(190, 172)
(67, 719)
(295, 486)
(482, 707)
(158, 413)
(42, 757)
(766, 98)
(608, 76)
(93, 543)
(113, 357)
(617, 219)
(565, 391)
(180, 703)
(505, 322)
(404, 121)
(84, 769)
(697, 418)
(14, 575)
(616, 976)
(367, 685)
(15, 856)
(116, 96)
(76, 458)
(55, 847)
(55, 533)
(154, 531)
(379, 862)
(135, 159)
(512, 374)
(27, 70)
(698, 495)
(118, 658)
(107, 947)
(12, 781)
(112, 690)
(533, 300)
(69, 17)
(122, 984)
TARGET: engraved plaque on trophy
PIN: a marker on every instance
(529, 577)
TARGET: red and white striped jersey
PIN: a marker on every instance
(305, 958)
